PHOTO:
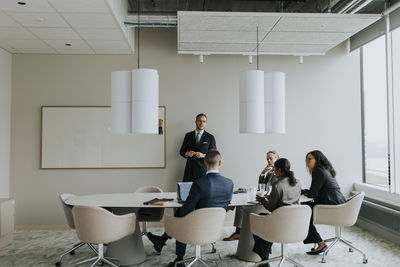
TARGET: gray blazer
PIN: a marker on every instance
(268, 179)
(282, 194)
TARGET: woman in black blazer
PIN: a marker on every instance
(324, 190)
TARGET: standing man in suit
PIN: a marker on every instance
(194, 148)
(211, 190)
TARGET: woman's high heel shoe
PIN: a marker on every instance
(317, 251)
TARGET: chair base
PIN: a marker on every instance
(71, 251)
(283, 257)
(198, 258)
(100, 259)
(338, 238)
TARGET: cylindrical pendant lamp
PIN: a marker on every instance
(274, 84)
(121, 84)
(145, 101)
(251, 97)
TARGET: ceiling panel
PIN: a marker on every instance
(39, 19)
(220, 21)
(220, 36)
(9, 33)
(290, 33)
(31, 6)
(100, 34)
(6, 21)
(55, 33)
(111, 45)
(37, 51)
(27, 44)
(80, 6)
(112, 51)
(95, 21)
(306, 37)
(74, 44)
(324, 24)
(76, 51)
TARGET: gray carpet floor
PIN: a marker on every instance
(42, 248)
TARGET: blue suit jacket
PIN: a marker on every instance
(212, 190)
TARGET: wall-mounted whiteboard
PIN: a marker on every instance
(81, 138)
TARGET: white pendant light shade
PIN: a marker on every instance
(145, 101)
(121, 95)
(251, 97)
(274, 84)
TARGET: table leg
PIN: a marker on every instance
(129, 250)
(246, 242)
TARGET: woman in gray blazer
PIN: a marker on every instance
(324, 189)
(285, 191)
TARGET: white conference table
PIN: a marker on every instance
(130, 249)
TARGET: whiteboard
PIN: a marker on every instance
(81, 138)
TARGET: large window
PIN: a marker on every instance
(375, 113)
(381, 112)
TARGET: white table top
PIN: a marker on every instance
(135, 200)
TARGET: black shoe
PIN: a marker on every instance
(172, 263)
(157, 241)
(317, 251)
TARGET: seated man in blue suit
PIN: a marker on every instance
(211, 190)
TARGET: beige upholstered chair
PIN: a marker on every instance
(343, 215)
(98, 226)
(288, 224)
(70, 221)
(149, 214)
(200, 227)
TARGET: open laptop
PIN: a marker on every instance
(182, 191)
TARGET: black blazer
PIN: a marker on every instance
(324, 188)
(195, 167)
(212, 190)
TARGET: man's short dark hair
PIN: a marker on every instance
(200, 115)
(212, 157)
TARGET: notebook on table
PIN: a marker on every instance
(182, 191)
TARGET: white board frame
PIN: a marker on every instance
(79, 137)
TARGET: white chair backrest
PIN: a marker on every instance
(288, 224)
(67, 209)
(200, 227)
(149, 189)
(339, 215)
(98, 226)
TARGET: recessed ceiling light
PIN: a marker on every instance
(68, 44)
(21, 3)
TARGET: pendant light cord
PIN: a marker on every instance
(258, 66)
(138, 32)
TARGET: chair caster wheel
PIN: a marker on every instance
(58, 263)
(323, 261)
(213, 250)
(350, 250)
(72, 253)
(100, 263)
(365, 261)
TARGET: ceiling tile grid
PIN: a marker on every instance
(65, 27)
(279, 33)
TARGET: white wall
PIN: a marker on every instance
(5, 122)
(322, 101)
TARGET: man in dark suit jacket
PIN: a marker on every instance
(195, 146)
(211, 190)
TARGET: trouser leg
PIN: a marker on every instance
(262, 247)
(313, 235)
(180, 249)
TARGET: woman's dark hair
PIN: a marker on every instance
(322, 162)
(284, 165)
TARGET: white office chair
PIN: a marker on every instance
(149, 214)
(343, 215)
(288, 224)
(70, 221)
(200, 227)
(98, 226)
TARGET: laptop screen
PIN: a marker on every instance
(182, 190)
